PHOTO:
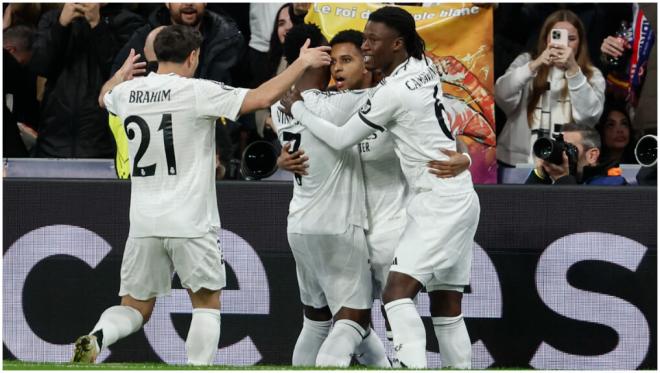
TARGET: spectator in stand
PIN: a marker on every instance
(576, 94)
(299, 12)
(222, 46)
(275, 63)
(21, 14)
(617, 135)
(19, 91)
(73, 50)
(262, 18)
(589, 170)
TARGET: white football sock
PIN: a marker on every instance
(118, 322)
(371, 351)
(340, 345)
(453, 342)
(409, 333)
(203, 336)
(309, 341)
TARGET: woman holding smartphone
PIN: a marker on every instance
(557, 79)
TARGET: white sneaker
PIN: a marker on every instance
(86, 350)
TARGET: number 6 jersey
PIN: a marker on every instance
(170, 124)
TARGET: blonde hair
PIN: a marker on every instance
(582, 56)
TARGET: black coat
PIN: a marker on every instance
(76, 62)
(221, 49)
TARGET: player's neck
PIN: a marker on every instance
(169, 68)
(311, 79)
(398, 59)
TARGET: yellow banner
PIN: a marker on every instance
(459, 38)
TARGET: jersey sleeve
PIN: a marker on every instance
(215, 99)
(337, 135)
(321, 103)
(109, 101)
(379, 109)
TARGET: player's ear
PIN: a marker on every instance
(398, 44)
(193, 58)
(592, 156)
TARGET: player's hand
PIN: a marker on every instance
(613, 46)
(315, 57)
(92, 12)
(70, 11)
(457, 163)
(131, 67)
(295, 162)
(556, 171)
(289, 99)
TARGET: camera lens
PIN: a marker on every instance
(259, 160)
(646, 150)
(548, 150)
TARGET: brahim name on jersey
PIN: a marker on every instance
(147, 97)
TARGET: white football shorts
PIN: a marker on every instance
(436, 245)
(333, 269)
(149, 263)
(382, 244)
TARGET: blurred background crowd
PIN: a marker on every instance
(57, 57)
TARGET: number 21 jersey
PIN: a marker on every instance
(170, 124)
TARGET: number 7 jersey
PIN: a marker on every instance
(331, 197)
(170, 124)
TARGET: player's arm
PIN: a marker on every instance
(130, 68)
(269, 92)
(354, 131)
(380, 108)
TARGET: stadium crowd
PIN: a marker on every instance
(57, 57)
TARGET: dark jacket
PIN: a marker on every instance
(221, 49)
(591, 175)
(76, 62)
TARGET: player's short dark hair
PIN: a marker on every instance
(21, 35)
(404, 23)
(296, 37)
(354, 37)
(590, 137)
(175, 43)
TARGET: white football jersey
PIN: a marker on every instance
(170, 123)
(384, 182)
(408, 103)
(331, 197)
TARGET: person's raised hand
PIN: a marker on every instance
(613, 46)
(542, 60)
(92, 12)
(70, 11)
(315, 57)
(563, 57)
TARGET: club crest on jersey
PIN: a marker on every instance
(366, 108)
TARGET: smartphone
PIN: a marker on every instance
(559, 36)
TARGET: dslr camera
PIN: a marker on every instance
(552, 150)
